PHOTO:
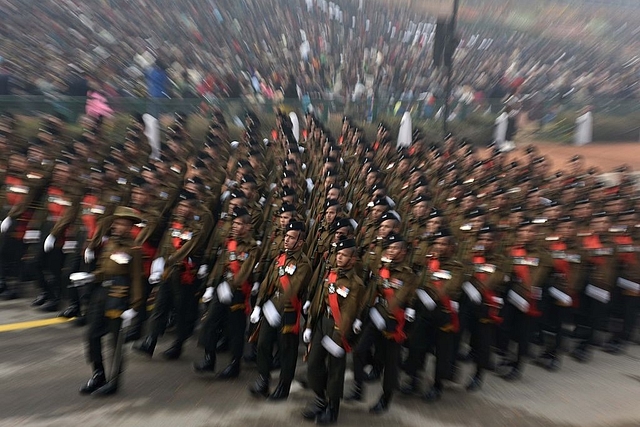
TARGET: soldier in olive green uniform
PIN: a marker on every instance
(229, 291)
(117, 297)
(437, 313)
(174, 269)
(331, 315)
(394, 287)
(279, 299)
(531, 267)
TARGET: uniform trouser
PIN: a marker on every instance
(553, 318)
(325, 372)
(389, 351)
(516, 326)
(591, 316)
(99, 326)
(429, 337)
(173, 294)
(288, 344)
(466, 319)
(11, 252)
(628, 312)
(233, 322)
(50, 272)
(482, 336)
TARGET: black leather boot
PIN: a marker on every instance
(314, 408)
(356, 393)
(280, 393)
(512, 375)
(72, 311)
(206, 365)
(413, 387)
(330, 414)
(147, 346)
(382, 405)
(96, 381)
(475, 384)
(173, 352)
(433, 394)
(40, 300)
(260, 388)
(231, 371)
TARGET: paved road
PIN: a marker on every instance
(41, 369)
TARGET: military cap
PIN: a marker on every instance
(389, 216)
(339, 223)
(127, 213)
(600, 214)
(346, 243)
(288, 174)
(287, 207)
(287, 191)
(475, 213)
(188, 195)
(487, 228)
(381, 201)
(248, 179)
(526, 221)
(296, 226)
(240, 212)
(565, 218)
(392, 238)
(436, 213)
(237, 194)
(442, 232)
(419, 199)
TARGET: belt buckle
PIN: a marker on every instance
(107, 283)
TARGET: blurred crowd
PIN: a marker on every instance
(348, 49)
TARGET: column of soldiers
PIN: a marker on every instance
(346, 243)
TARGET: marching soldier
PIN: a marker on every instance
(331, 315)
(393, 287)
(228, 292)
(116, 299)
(279, 305)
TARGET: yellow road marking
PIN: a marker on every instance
(33, 324)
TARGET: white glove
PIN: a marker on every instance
(234, 144)
(89, 256)
(6, 223)
(332, 347)
(472, 292)
(202, 271)
(81, 278)
(127, 316)
(255, 314)
(49, 243)
(306, 336)
(255, 288)
(357, 326)
(409, 314)
(271, 314)
(208, 294)
(225, 295)
(305, 307)
(157, 268)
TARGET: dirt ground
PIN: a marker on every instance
(604, 156)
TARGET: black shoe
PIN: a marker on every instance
(147, 346)
(222, 345)
(475, 384)
(260, 387)
(513, 375)
(72, 311)
(50, 306)
(97, 380)
(374, 375)
(613, 347)
(133, 334)
(40, 299)
(173, 352)
(280, 393)
(314, 408)
(433, 394)
(9, 295)
(580, 354)
(553, 365)
(412, 387)
(205, 366)
(355, 395)
(380, 407)
(106, 390)
(3, 286)
(231, 371)
(80, 321)
(330, 413)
